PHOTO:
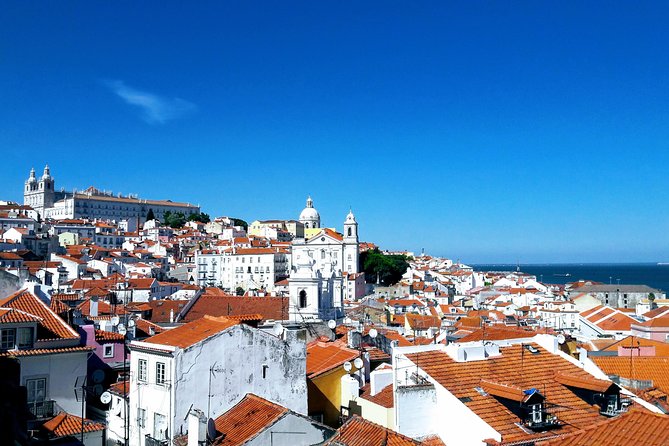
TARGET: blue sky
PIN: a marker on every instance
(482, 131)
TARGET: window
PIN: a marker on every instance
(108, 350)
(303, 299)
(7, 338)
(160, 373)
(535, 410)
(141, 417)
(264, 371)
(322, 254)
(36, 393)
(141, 370)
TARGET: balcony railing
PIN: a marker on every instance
(42, 409)
(150, 441)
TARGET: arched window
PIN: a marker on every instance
(303, 299)
(350, 232)
(322, 254)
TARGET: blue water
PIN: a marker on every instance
(651, 274)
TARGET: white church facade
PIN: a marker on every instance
(320, 267)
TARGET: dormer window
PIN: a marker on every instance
(7, 338)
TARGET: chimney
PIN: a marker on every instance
(379, 379)
(94, 306)
(171, 314)
(197, 428)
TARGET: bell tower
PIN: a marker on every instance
(39, 194)
(351, 244)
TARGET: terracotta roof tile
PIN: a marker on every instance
(11, 315)
(226, 305)
(120, 388)
(323, 357)
(102, 335)
(46, 351)
(636, 427)
(383, 398)
(193, 332)
(246, 419)
(515, 368)
(359, 432)
(53, 327)
(64, 425)
(645, 368)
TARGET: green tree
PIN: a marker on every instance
(386, 269)
(240, 222)
(201, 217)
(175, 219)
(150, 215)
(239, 291)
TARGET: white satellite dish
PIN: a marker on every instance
(348, 366)
(131, 323)
(121, 329)
(347, 320)
(561, 339)
(373, 333)
(105, 398)
(277, 329)
(115, 320)
(332, 324)
(358, 363)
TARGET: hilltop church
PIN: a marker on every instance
(92, 203)
(325, 268)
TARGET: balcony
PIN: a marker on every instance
(615, 407)
(543, 422)
(42, 409)
(150, 441)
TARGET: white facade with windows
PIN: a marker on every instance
(167, 381)
(248, 268)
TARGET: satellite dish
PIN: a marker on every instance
(131, 323)
(373, 333)
(121, 329)
(561, 339)
(115, 320)
(332, 324)
(98, 376)
(347, 366)
(277, 329)
(105, 398)
(98, 389)
(358, 363)
(211, 429)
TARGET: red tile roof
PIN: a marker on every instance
(517, 368)
(120, 388)
(46, 351)
(246, 419)
(498, 334)
(65, 425)
(645, 368)
(193, 332)
(420, 322)
(53, 327)
(102, 335)
(383, 398)
(325, 356)
(636, 427)
(226, 305)
(10, 315)
(359, 432)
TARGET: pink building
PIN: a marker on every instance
(656, 329)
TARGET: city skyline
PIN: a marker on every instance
(485, 133)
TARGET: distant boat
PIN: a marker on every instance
(563, 275)
(663, 263)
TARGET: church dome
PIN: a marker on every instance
(310, 216)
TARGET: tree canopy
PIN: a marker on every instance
(387, 269)
(240, 222)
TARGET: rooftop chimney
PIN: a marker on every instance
(197, 428)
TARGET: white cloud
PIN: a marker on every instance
(154, 109)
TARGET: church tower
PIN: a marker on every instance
(351, 244)
(39, 194)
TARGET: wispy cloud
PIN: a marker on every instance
(154, 109)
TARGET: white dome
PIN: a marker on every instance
(309, 215)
